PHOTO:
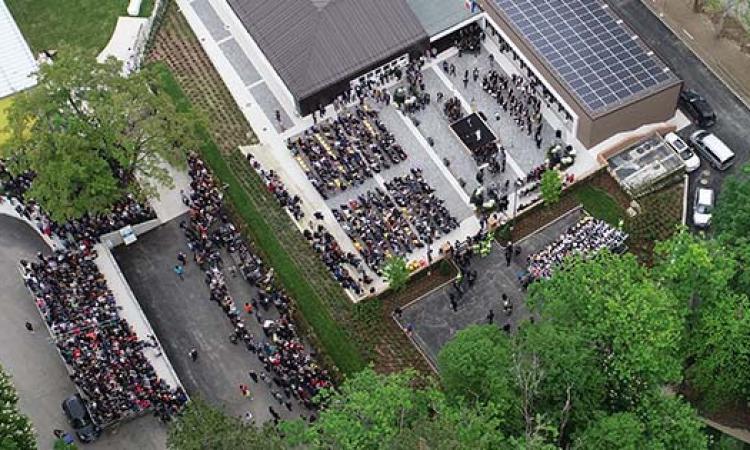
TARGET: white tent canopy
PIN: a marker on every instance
(17, 64)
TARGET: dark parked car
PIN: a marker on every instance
(79, 418)
(697, 108)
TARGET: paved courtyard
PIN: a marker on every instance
(434, 321)
(38, 372)
(183, 317)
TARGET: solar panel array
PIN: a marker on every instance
(589, 48)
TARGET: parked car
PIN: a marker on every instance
(697, 108)
(79, 418)
(691, 160)
(712, 149)
(703, 207)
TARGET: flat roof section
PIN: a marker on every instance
(315, 43)
(645, 164)
(18, 61)
(439, 15)
(590, 50)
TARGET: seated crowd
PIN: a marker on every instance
(346, 150)
(292, 203)
(282, 353)
(586, 237)
(103, 353)
(321, 239)
(378, 227)
(382, 223)
(427, 212)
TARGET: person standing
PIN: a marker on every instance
(180, 271)
(193, 354)
(508, 253)
(182, 258)
(491, 317)
(454, 304)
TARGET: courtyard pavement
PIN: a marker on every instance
(184, 317)
(38, 372)
(434, 321)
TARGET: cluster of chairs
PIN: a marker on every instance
(395, 221)
(346, 150)
(586, 237)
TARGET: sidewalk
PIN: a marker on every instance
(722, 56)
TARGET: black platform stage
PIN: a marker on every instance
(473, 132)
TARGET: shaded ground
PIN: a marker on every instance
(183, 316)
(434, 321)
(38, 372)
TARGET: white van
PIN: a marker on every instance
(712, 149)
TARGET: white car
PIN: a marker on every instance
(691, 160)
(704, 205)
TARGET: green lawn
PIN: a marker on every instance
(599, 204)
(334, 340)
(50, 24)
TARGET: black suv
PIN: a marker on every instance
(79, 418)
(697, 108)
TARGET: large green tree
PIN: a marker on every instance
(659, 423)
(731, 219)
(704, 273)
(16, 432)
(93, 136)
(369, 411)
(635, 325)
(201, 426)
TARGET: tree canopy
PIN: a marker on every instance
(92, 136)
(635, 325)
(16, 432)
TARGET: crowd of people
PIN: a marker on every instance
(382, 223)
(292, 203)
(88, 228)
(104, 355)
(287, 364)
(533, 81)
(517, 96)
(377, 227)
(340, 263)
(346, 150)
(427, 212)
(452, 109)
(587, 236)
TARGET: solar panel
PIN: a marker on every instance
(589, 49)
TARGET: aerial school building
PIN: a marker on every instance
(604, 79)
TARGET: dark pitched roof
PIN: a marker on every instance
(313, 43)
